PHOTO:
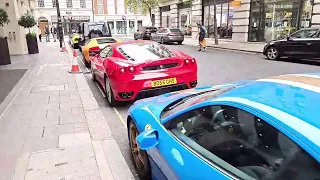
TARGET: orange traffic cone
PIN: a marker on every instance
(75, 67)
(63, 48)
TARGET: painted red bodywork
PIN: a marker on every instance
(139, 79)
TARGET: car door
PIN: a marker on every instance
(99, 63)
(155, 36)
(225, 142)
(300, 44)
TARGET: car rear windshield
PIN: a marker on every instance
(142, 52)
(152, 29)
(175, 30)
(106, 40)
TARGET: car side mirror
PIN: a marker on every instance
(92, 54)
(148, 139)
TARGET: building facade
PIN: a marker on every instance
(118, 16)
(241, 20)
(16, 34)
(72, 13)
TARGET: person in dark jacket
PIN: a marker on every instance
(54, 32)
(47, 33)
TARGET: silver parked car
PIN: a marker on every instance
(167, 35)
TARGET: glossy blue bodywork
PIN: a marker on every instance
(279, 104)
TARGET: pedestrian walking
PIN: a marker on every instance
(202, 34)
(54, 33)
(47, 33)
(39, 33)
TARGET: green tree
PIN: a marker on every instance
(4, 19)
(27, 21)
(145, 6)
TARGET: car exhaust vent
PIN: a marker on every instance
(158, 67)
(125, 54)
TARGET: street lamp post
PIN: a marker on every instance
(60, 33)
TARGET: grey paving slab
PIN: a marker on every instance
(81, 82)
(77, 139)
(98, 127)
(104, 168)
(37, 89)
(88, 101)
(22, 166)
(40, 144)
(70, 163)
(71, 119)
(57, 130)
(118, 166)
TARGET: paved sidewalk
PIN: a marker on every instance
(254, 47)
(54, 129)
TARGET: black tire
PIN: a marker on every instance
(273, 53)
(180, 42)
(143, 168)
(109, 93)
(93, 75)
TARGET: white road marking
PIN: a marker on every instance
(101, 91)
(120, 117)
(83, 64)
(115, 110)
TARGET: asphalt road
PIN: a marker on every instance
(214, 67)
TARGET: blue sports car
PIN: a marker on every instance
(264, 129)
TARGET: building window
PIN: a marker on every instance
(41, 3)
(82, 3)
(69, 3)
(100, 7)
(276, 20)
(54, 3)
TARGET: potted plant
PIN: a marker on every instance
(28, 21)
(4, 50)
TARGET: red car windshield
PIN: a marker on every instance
(142, 52)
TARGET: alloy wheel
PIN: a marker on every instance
(272, 53)
(135, 150)
(162, 41)
(92, 73)
(108, 90)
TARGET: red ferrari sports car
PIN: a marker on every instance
(138, 69)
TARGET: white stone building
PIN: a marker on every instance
(248, 20)
(16, 34)
(118, 16)
(72, 12)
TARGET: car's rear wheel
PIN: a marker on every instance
(93, 75)
(273, 53)
(180, 42)
(109, 93)
(139, 156)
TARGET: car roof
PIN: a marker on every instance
(293, 100)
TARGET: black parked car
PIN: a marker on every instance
(303, 44)
(144, 33)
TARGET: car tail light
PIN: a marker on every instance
(170, 34)
(122, 70)
(94, 49)
(189, 60)
(131, 69)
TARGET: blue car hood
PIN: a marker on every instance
(158, 103)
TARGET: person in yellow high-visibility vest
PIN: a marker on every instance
(202, 34)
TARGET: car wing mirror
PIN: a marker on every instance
(148, 139)
(92, 54)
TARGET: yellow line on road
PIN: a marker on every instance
(120, 117)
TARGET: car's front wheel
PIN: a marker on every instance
(140, 157)
(273, 53)
(109, 93)
(162, 40)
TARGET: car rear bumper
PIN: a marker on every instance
(140, 86)
(175, 39)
